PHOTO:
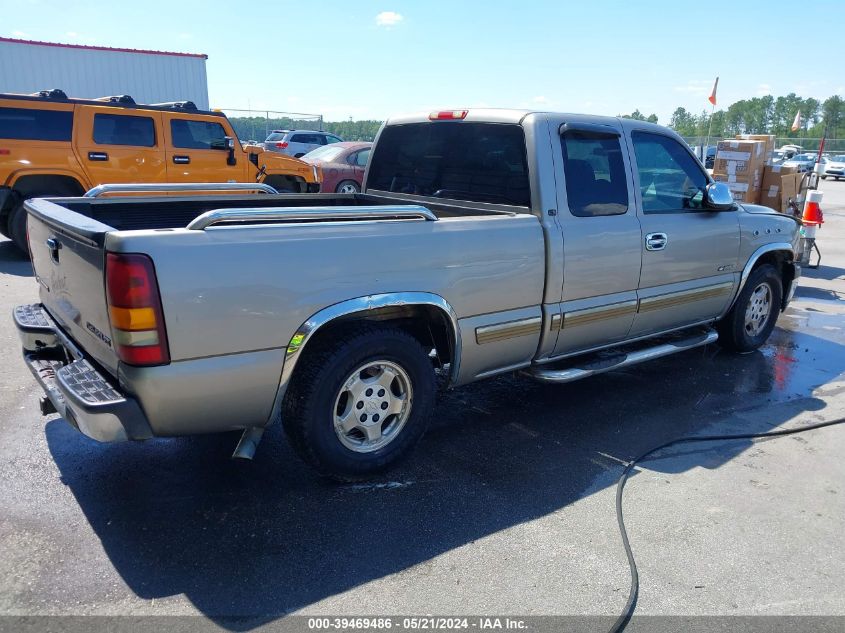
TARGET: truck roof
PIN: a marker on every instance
(507, 115)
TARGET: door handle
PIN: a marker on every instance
(181, 160)
(97, 156)
(656, 241)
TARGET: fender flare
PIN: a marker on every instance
(15, 176)
(361, 305)
(749, 266)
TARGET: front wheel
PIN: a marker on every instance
(751, 320)
(348, 186)
(359, 404)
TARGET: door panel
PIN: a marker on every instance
(117, 145)
(601, 235)
(196, 151)
(690, 254)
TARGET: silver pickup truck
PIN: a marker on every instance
(483, 242)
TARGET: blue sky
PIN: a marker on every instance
(368, 59)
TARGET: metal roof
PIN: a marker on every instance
(102, 48)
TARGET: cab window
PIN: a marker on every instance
(189, 134)
(595, 173)
(113, 129)
(671, 180)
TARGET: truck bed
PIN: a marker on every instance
(170, 212)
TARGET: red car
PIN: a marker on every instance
(342, 165)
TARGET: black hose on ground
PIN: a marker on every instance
(631, 604)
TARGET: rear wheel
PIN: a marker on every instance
(751, 320)
(348, 186)
(358, 404)
(17, 227)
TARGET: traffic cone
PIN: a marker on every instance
(812, 209)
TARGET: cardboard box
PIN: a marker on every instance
(742, 159)
(789, 190)
(768, 139)
(772, 186)
(741, 188)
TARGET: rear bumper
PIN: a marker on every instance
(80, 393)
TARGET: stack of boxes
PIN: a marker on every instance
(739, 164)
(745, 165)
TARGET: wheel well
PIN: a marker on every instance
(426, 323)
(780, 260)
(281, 182)
(54, 185)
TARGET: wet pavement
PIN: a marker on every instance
(506, 507)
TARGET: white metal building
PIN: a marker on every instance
(98, 71)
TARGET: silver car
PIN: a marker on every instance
(297, 143)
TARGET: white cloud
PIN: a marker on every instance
(388, 18)
(72, 35)
(696, 87)
(21, 34)
(763, 90)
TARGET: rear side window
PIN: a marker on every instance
(190, 134)
(113, 129)
(275, 136)
(36, 125)
(481, 162)
(595, 173)
(360, 158)
(332, 139)
(310, 139)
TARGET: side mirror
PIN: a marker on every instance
(718, 197)
(230, 147)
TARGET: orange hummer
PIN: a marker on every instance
(52, 145)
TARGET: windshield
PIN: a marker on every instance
(482, 162)
(275, 136)
(327, 153)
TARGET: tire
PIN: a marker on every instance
(348, 186)
(337, 380)
(825, 178)
(299, 155)
(17, 228)
(751, 320)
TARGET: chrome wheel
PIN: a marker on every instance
(758, 310)
(372, 406)
(348, 188)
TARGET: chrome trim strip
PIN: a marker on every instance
(643, 337)
(673, 299)
(306, 331)
(555, 321)
(510, 329)
(749, 266)
(571, 374)
(144, 187)
(599, 313)
(305, 214)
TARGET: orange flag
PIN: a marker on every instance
(797, 122)
(712, 97)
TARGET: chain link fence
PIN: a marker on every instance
(256, 125)
(831, 146)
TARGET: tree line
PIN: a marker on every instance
(257, 128)
(760, 115)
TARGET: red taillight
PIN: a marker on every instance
(135, 312)
(448, 115)
(5, 152)
(282, 145)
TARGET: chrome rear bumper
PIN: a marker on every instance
(80, 393)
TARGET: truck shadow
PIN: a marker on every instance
(258, 540)
(12, 261)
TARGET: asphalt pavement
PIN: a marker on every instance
(506, 507)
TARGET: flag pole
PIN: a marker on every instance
(709, 129)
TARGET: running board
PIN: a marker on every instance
(617, 359)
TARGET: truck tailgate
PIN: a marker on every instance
(68, 258)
